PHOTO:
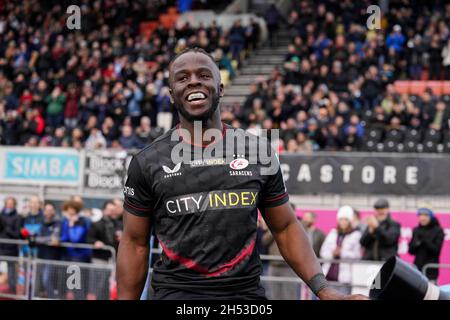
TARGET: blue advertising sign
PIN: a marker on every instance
(47, 166)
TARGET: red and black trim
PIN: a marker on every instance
(276, 201)
(141, 212)
(193, 265)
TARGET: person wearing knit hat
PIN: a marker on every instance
(341, 243)
(426, 242)
(345, 212)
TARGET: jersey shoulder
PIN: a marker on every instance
(156, 148)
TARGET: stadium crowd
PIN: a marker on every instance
(107, 85)
(335, 89)
(47, 226)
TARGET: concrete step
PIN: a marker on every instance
(272, 60)
(245, 81)
(257, 70)
(276, 51)
(237, 91)
(232, 99)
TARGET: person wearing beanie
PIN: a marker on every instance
(426, 242)
(380, 239)
(341, 243)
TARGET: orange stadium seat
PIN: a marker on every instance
(402, 87)
(446, 87)
(417, 87)
(172, 10)
(435, 86)
(147, 28)
(168, 20)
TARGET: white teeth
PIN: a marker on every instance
(196, 95)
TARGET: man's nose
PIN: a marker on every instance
(194, 80)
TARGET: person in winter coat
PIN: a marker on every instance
(102, 232)
(426, 242)
(74, 229)
(48, 241)
(341, 243)
(10, 229)
(380, 240)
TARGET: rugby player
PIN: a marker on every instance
(205, 212)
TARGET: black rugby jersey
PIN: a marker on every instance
(204, 210)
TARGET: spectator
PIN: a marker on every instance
(279, 268)
(316, 237)
(96, 140)
(146, 133)
(128, 140)
(396, 39)
(341, 243)
(74, 229)
(426, 242)
(10, 229)
(380, 240)
(273, 19)
(49, 235)
(446, 59)
(55, 107)
(236, 36)
(102, 233)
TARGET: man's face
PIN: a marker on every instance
(195, 87)
(424, 219)
(381, 214)
(49, 212)
(110, 210)
(308, 220)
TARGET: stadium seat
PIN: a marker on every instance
(432, 135)
(429, 146)
(400, 147)
(417, 87)
(413, 135)
(435, 86)
(380, 147)
(446, 88)
(410, 146)
(402, 87)
(172, 10)
(370, 146)
(394, 135)
(389, 146)
(446, 135)
(440, 148)
(374, 134)
(446, 147)
(419, 148)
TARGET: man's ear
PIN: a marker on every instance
(171, 96)
(221, 90)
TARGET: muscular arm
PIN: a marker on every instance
(292, 241)
(132, 258)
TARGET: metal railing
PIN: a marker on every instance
(27, 274)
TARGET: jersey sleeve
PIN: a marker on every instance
(137, 191)
(274, 191)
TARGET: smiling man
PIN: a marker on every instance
(203, 213)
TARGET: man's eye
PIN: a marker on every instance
(205, 76)
(182, 78)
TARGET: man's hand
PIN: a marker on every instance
(329, 293)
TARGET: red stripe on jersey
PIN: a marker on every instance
(276, 198)
(191, 264)
(134, 207)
